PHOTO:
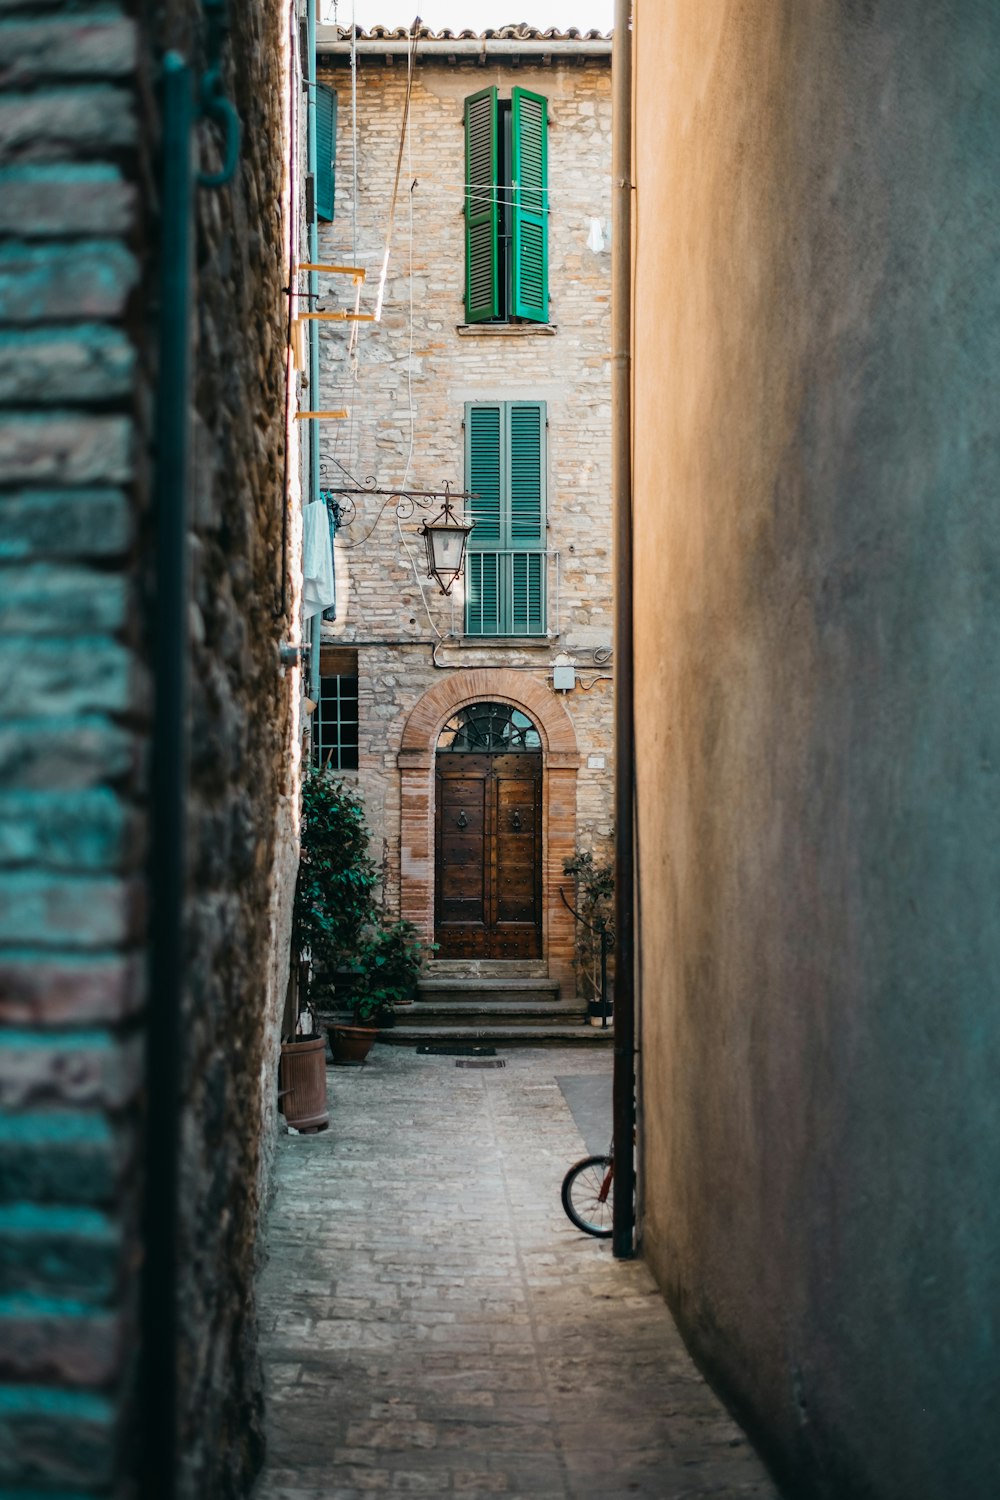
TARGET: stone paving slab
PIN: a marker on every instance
(432, 1324)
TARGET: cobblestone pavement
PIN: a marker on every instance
(434, 1325)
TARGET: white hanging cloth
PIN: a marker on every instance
(319, 590)
(595, 239)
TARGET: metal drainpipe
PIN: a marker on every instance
(293, 242)
(623, 1228)
(312, 160)
(167, 803)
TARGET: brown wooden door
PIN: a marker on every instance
(488, 856)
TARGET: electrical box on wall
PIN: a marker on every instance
(564, 679)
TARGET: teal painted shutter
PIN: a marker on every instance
(326, 149)
(527, 603)
(482, 593)
(529, 175)
(526, 426)
(506, 567)
(484, 470)
(483, 438)
(482, 294)
(526, 517)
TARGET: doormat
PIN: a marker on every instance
(479, 1062)
(455, 1049)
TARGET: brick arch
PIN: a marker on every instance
(560, 761)
(429, 716)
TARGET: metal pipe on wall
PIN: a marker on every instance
(168, 789)
(312, 158)
(312, 162)
(623, 1230)
(293, 219)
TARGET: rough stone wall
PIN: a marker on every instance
(241, 846)
(79, 270)
(816, 584)
(417, 368)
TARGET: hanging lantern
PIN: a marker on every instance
(445, 538)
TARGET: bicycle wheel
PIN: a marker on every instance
(588, 1195)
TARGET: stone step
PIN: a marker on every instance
(502, 1037)
(486, 968)
(510, 991)
(479, 1012)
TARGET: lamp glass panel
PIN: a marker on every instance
(447, 545)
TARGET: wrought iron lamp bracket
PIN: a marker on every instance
(445, 534)
(404, 502)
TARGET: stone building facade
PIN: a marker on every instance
(412, 384)
(88, 1365)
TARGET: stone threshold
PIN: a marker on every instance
(500, 1036)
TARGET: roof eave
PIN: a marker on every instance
(331, 42)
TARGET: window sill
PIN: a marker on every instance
(529, 642)
(507, 330)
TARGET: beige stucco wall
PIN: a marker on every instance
(816, 476)
(414, 373)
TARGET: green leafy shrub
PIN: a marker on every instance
(389, 957)
(334, 893)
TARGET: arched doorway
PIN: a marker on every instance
(416, 760)
(488, 834)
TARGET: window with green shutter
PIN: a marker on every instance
(326, 149)
(505, 569)
(481, 207)
(529, 206)
(506, 207)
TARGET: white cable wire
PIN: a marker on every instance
(354, 134)
(409, 405)
(352, 343)
(409, 353)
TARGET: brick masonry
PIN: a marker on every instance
(406, 392)
(79, 274)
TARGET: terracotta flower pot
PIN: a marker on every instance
(302, 1076)
(350, 1045)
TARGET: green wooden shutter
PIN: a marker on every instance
(526, 429)
(525, 517)
(529, 179)
(482, 291)
(482, 593)
(484, 468)
(527, 593)
(326, 149)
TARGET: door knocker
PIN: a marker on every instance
(462, 820)
(515, 822)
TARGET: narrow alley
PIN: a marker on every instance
(433, 1324)
(499, 534)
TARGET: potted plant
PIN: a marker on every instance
(333, 903)
(388, 960)
(594, 910)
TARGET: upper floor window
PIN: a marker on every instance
(506, 207)
(505, 566)
(326, 150)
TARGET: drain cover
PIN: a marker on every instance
(455, 1049)
(479, 1062)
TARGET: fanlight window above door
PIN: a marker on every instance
(489, 729)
